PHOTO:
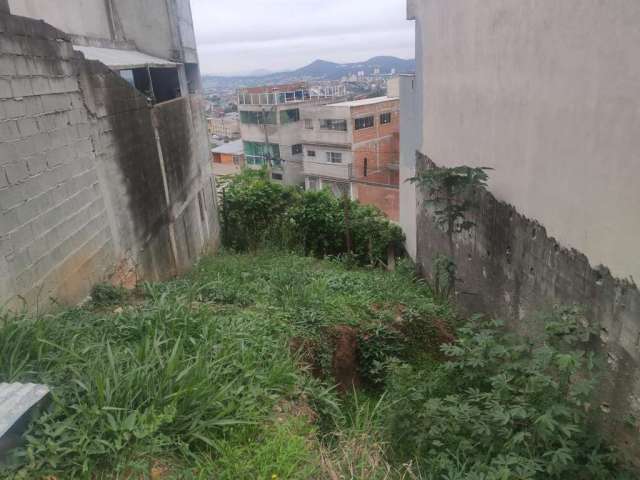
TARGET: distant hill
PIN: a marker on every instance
(318, 70)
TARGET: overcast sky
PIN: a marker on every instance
(241, 36)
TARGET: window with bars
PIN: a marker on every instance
(385, 118)
(256, 153)
(334, 157)
(365, 122)
(308, 124)
(296, 149)
(290, 116)
(330, 124)
(311, 153)
(257, 118)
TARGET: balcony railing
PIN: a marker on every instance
(329, 170)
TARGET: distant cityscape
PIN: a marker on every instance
(325, 125)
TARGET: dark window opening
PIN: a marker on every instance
(258, 118)
(296, 149)
(276, 176)
(385, 118)
(311, 153)
(290, 116)
(328, 124)
(366, 122)
(166, 84)
(366, 166)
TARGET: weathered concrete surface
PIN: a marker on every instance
(546, 93)
(510, 267)
(163, 28)
(83, 195)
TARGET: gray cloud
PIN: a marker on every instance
(238, 36)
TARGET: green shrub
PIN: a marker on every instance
(257, 212)
(502, 407)
(104, 294)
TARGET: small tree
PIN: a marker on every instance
(449, 190)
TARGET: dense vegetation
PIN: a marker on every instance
(313, 364)
(227, 374)
(258, 212)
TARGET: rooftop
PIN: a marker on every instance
(231, 148)
(123, 59)
(363, 102)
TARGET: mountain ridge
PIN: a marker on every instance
(317, 70)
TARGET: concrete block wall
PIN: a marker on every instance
(54, 235)
(83, 192)
(510, 267)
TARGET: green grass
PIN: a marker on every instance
(189, 380)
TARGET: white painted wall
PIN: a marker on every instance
(410, 142)
(546, 93)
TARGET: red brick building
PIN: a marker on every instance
(354, 147)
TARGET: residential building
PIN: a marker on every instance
(225, 126)
(105, 170)
(354, 147)
(228, 158)
(546, 94)
(270, 125)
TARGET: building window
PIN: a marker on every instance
(276, 176)
(366, 166)
(257, 118)
(365, 122)
(334, 157)
(313, 183)
(296, 149)
(308, 124)
(258, 154)
(328, 124)
(311, 153)
(289, 116)
(385, 118)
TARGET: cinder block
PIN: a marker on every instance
(21, 87)
(10, 45)
(14, 108)
(59, 156)
(33, 105)
(5, 88)
(9, 131)
(56, 102)
(7, 65)
(71, 84)
(42, 85)
(16, 172)
(37, 163)
(9, 221)
(27, 126)
(26, 147)
(59, 138)
(8, 153)
(22, 66)
(38, 249)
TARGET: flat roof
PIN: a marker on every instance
(117, 59)
(231, 148)
(364, 101)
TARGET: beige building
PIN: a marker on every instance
(271, 129)
(226, 126)
(352, 147)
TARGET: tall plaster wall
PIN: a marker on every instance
(545, 93)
